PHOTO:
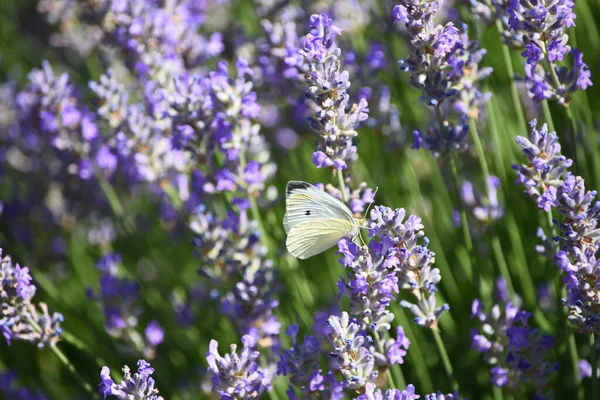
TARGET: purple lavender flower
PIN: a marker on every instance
(546, 167)
(10, 391)
(119, 299)
(441, 61)
(489, 12)
(301, 363)
(516, 352)
(350, 353)
(440, 396)
(21, 319)
(372, 393)
(139, 385)
(327, 91)
(585, 368)
(154, 333)
(52, 150)
(484, 208)
(543, 24)
(578, 227)
(237, 376)
(443, 64)
(411, 261)
(251, 303)
(445, 139)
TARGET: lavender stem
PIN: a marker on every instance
(595, 393)
(514, 90)
(445, 359)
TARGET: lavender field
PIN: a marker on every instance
(145, 149)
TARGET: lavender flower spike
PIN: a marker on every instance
(404, 250)
(543, 24)
(137, 386)
(517, 353)
(327, 91)
(301, 363)
(237, 377)
(352, 358)
(544, 172)
(20, 318)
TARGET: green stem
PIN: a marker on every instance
(264, 238)
(502, 266)
(497, 392)
(342, 184)
(594, 362)
(514, 90)
(573, 140)
(61, 356)
(479, 149)
(500, 164)
(548, 115)
(464, 222)
(265, 364)
(111, 196)
(379, 347)
(445, 359)
(574, 358)
(65, 361)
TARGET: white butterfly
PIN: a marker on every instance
(315, 221)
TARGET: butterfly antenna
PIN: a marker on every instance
(370, 204)
(361, 238)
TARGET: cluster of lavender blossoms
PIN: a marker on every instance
(372, 393)
(494, 12)
(137, 386)
(556, 189)
(546, 167)
(142, 30)
(237, 376)
(443, 64)
(301, 363)
(118, 296)
(333, 120)
(52, 156)
(543, 24)
(517, 353)
(400, 247)
(21, 319)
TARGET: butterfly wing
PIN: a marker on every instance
(305, 202)
(308, 238)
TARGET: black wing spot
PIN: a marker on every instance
(295, 185)
(307, 212)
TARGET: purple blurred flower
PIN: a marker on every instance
(119, 299)
(301, 363)
(484, 208)
(585, 368)
(155, 334)
(9, 389)
(516, 352)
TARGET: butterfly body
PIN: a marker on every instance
(315, 220)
